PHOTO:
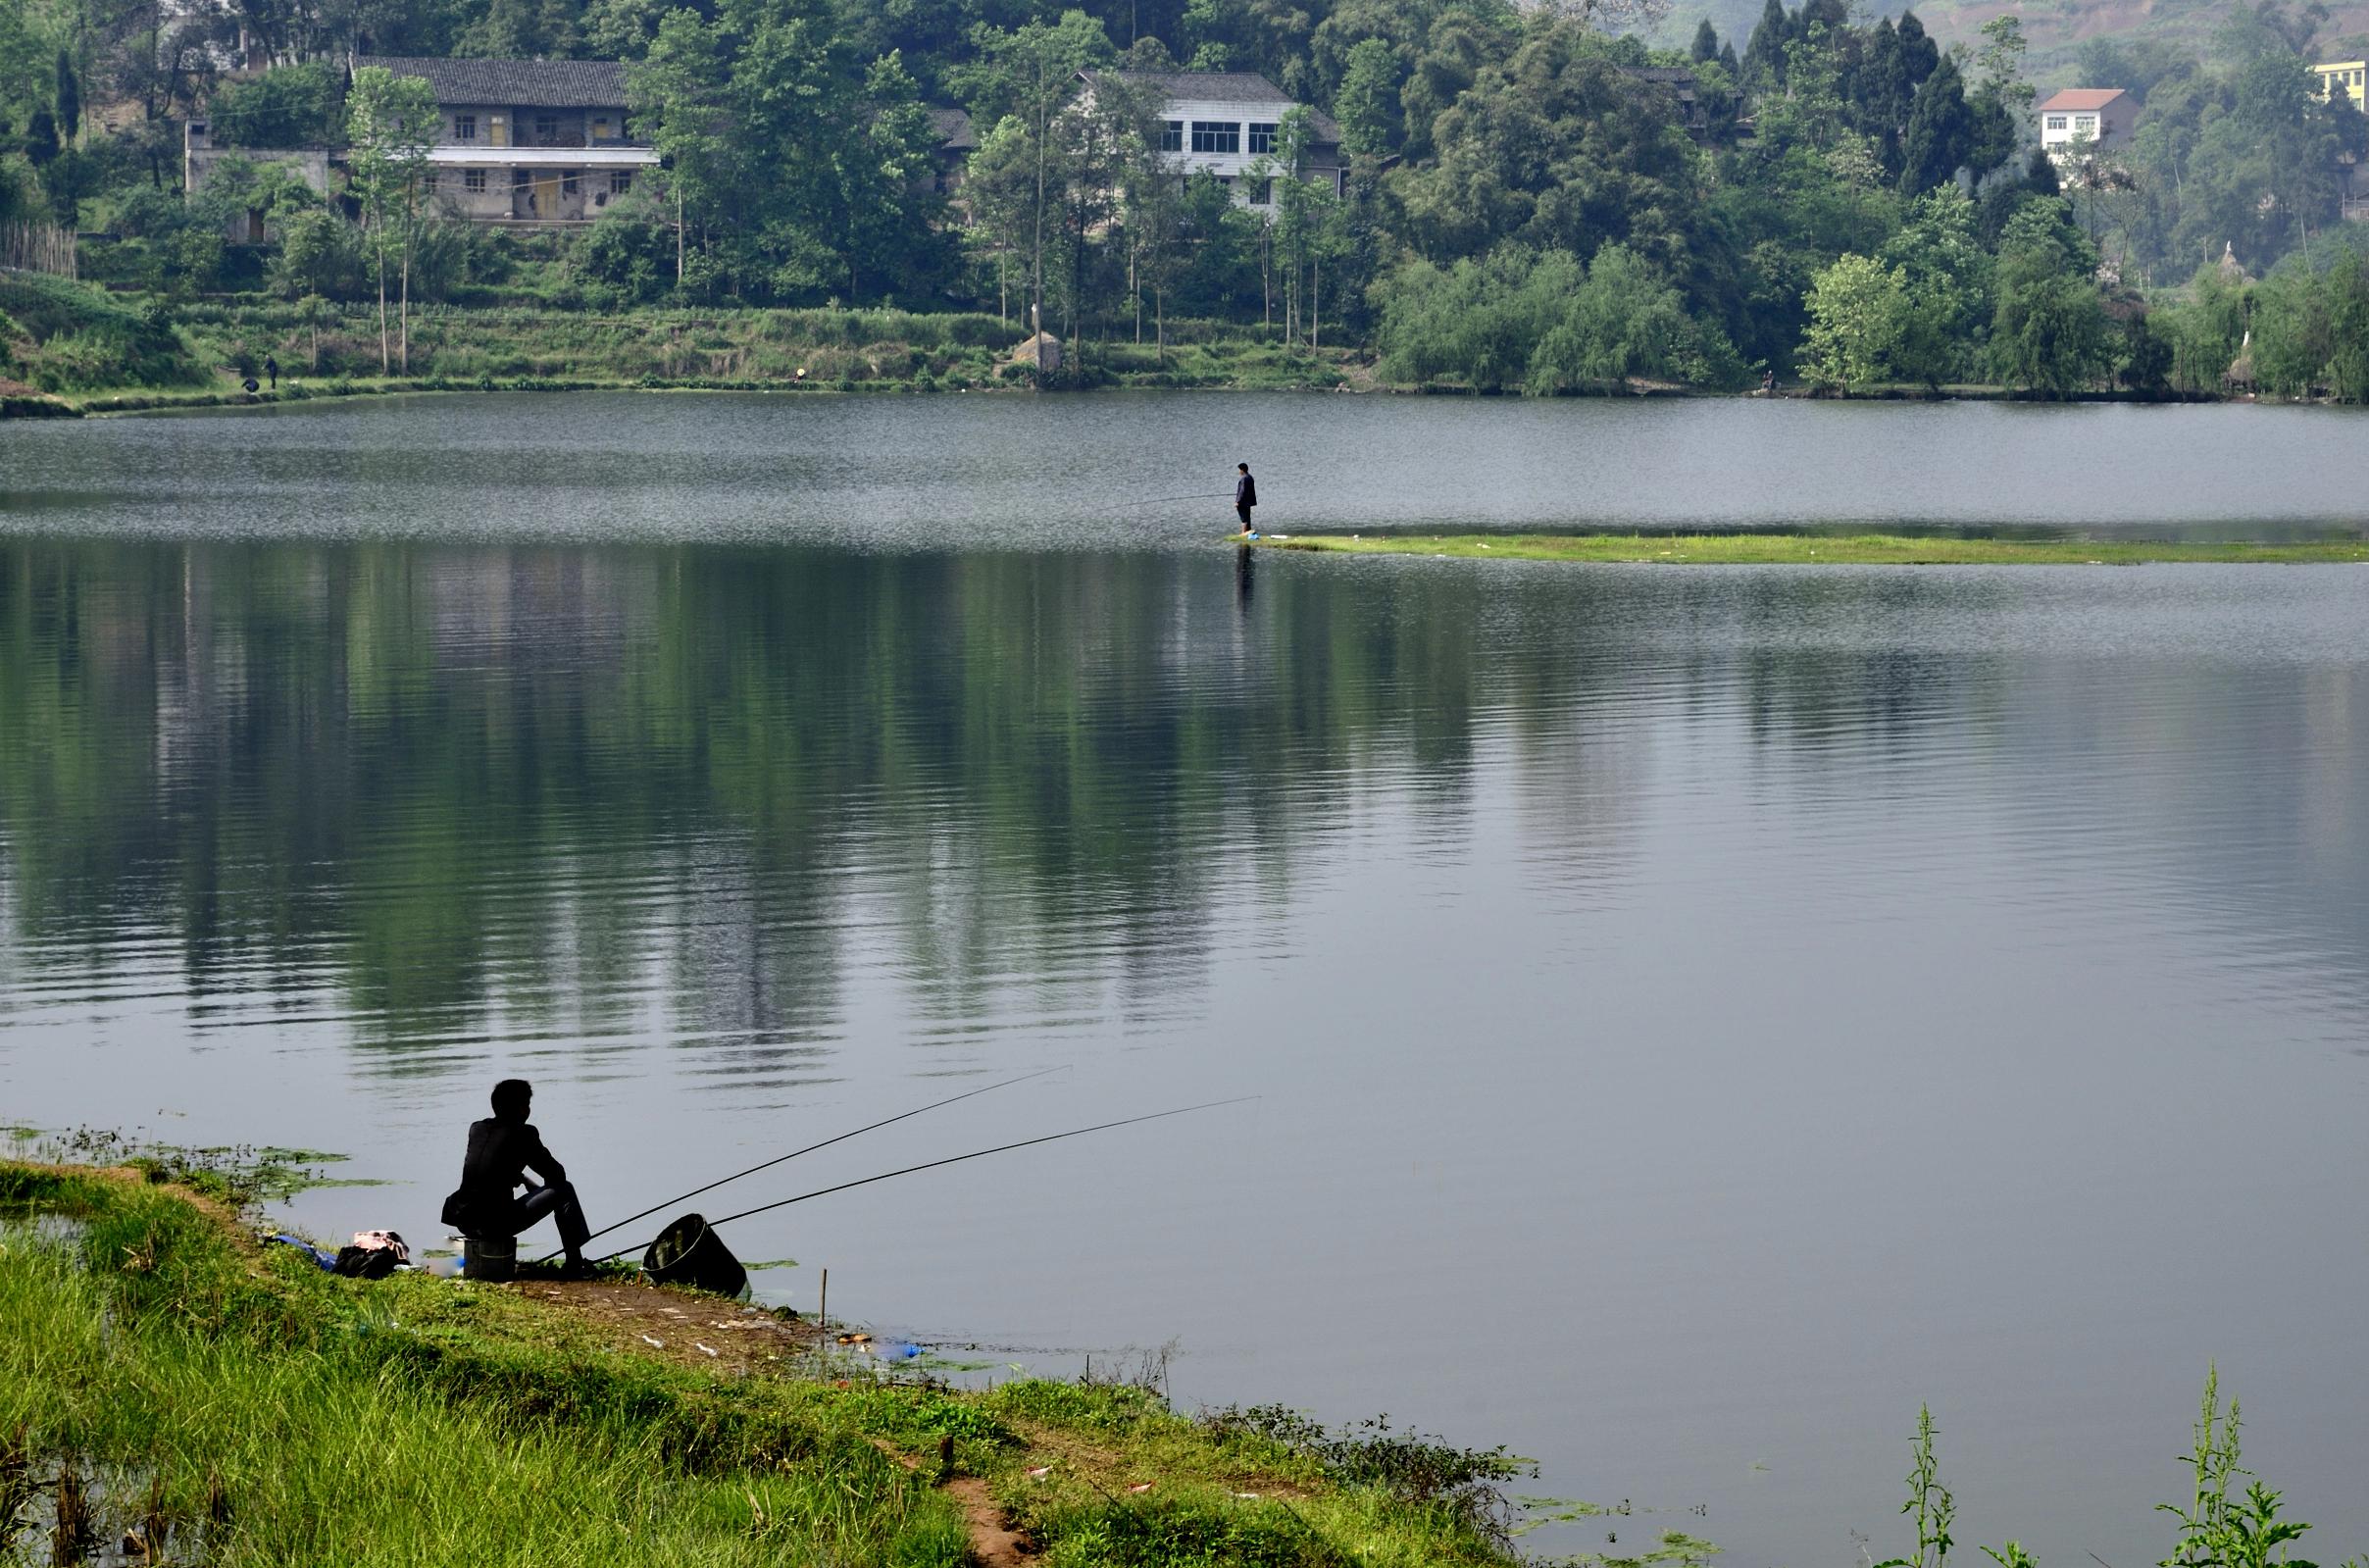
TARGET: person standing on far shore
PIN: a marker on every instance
(1245, 496)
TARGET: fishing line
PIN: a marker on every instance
(808, 1149)
(1198, 496)
(957, 1159)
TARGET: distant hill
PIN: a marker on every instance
(2056, 28)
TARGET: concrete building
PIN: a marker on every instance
(200, 158)
(1225, 123)
(530, 142)
(2342, 76)
(2095, 119)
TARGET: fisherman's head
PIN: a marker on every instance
(1244, 467)
(511, 1097)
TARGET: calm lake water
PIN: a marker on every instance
(1697, 1014)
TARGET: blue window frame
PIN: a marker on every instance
(1262, 138)
(1172, 135)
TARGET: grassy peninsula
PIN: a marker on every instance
(1818, 549)
(162, 1378)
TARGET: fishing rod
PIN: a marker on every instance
(1198, 496)
(956, 1159)
(808, 1149)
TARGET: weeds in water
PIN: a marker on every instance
(1466, 1484)
(239, 1174)
(1149, 1373)
(72, 1530)
(1675, 1549)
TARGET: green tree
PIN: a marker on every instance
(1858, 309)
(2048, 332)
(289, 106)
(1941, 131)
(1946, 274)
(69, 98)
(391, 125)
(1367, 106)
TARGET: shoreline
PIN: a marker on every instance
(134, 399)
(220, 1384)
(1814, 550)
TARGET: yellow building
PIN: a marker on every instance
(2348, 74)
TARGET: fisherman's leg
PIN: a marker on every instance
(557, 1200)
(574, 1230)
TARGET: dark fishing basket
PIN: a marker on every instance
(688, 1253)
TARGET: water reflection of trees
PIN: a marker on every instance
(597, 795)
(528, 792)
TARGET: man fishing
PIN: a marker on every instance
(502, 1148)
(1245, 496)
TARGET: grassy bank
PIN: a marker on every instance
(72, 347)
(1790, 549)
(161, 1378)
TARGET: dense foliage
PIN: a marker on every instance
(1529, 204)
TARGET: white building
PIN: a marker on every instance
(1226, 124)
(2097, 118)
(529, 141)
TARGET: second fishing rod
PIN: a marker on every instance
(780, 1159)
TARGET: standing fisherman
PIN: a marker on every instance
(1245, 496)
(502, 1148)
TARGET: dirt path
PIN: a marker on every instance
(723, 1336)
(994, 1544)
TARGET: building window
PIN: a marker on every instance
(2057, 122)
(472, 179)
(1262, 195)
(1262, 138)
(1172, 135)
(620, 181)
(1217, 136)
(521, 179)
(567, 184)
(464, 128)
(2085, 123)
(546, 129)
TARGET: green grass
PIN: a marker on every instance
(95, 352)
(1790, 549)
(267, 1413)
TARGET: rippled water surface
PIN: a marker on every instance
(1697, 1014)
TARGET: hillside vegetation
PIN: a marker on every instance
(1528, 204)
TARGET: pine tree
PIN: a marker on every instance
(41, 137)
(1920, 56)
(69, 99)
(2042, 176)
(1940, 132)
(1764, 56)
(1706, 42)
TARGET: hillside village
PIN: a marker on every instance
(1468, 192)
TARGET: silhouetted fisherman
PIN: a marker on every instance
(502, 1150)
(1245, 496)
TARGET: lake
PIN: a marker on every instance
(1695, 1014)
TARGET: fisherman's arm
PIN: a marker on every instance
(540, 1161)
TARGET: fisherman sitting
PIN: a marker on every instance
(502, 1148)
